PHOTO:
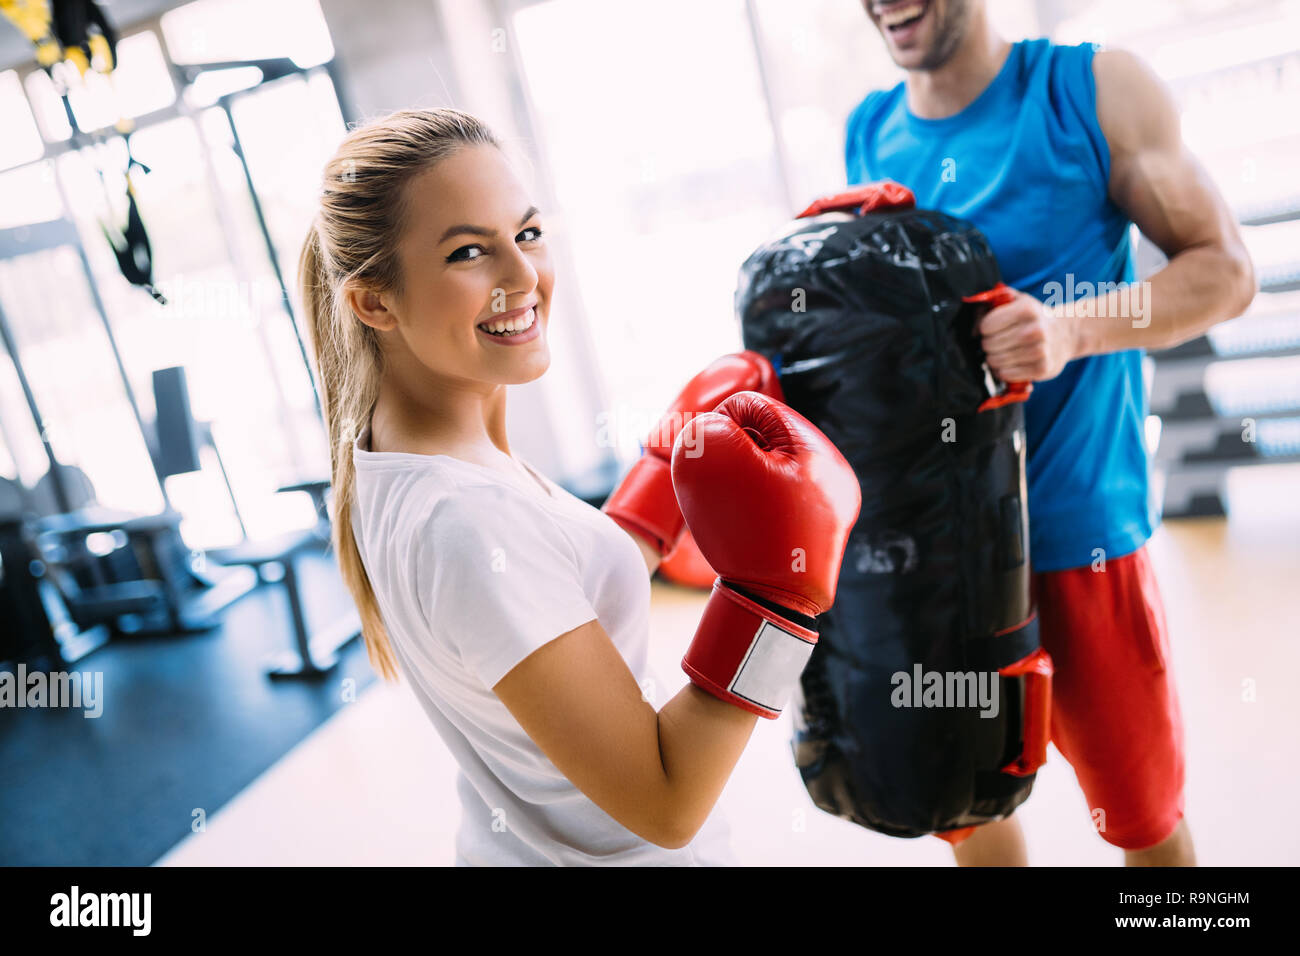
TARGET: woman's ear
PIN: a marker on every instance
(370, 307)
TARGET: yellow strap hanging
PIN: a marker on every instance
(99, 49)
(36, 21)
(35, 18)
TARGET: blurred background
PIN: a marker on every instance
(163, 466)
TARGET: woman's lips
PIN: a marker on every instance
(518, 337)
(512, 314)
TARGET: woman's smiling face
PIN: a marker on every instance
(475, 265)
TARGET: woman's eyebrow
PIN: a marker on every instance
(480, 230)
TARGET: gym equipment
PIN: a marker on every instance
(312, 656)
(177, 441)
(89, 555)
(75, 617)
(73, 38)
(176, 437)
(145, 579)
(27, 633)
(146, 553)
(73, 30)
(148, 579)
(867, 308)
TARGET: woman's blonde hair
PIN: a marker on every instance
(354, 237)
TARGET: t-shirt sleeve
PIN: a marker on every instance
(498, 579)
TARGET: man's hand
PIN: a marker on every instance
(1025, 341)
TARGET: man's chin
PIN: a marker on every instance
(911, 58)
(912, 55)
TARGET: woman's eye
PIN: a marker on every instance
(463, 254)
(531, 234)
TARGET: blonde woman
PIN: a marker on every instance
(519, 614)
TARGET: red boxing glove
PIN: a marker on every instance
(644, 502)
(770, 502)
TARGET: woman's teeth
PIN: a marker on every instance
(506, 327)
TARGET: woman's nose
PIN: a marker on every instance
(521, 274)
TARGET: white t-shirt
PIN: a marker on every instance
(474, 569)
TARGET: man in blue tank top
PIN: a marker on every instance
(1053, 152)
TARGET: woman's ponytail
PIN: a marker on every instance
(355, 238)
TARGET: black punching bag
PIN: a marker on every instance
(925, 707)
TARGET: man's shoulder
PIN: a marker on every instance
(875, 103)
(1037, 47)
(1056, 59)
(867, 116)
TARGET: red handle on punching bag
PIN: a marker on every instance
(885, 194)
(1037, 714)
(1000, 294)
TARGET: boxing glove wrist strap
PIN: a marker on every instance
(780, 610)
(747, 653)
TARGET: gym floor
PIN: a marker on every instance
(188, 722)
(374, 785)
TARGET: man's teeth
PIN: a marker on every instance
(521, 324)
(896, 15)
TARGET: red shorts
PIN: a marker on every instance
(1115, 714)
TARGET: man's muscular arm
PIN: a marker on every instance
(1166, 191)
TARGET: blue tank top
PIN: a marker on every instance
(1027, 163)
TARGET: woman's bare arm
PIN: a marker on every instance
(658, 774)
